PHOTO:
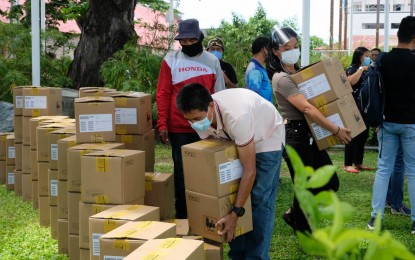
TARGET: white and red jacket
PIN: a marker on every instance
(178, 70)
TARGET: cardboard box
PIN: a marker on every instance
(35, 194)
(213, 250)
(95, 119)
(10, 177)
(133, 113)
(205, 211)
(91, 91)
(114, 217)
(27, 187)
(73, 212)
(3, 146)
(85, 211)
(169, 248)
(84, 254)
(182, 227)
(18, 183)
(123, 240)
(63, 236)
(73, 247)
(44, 214)
(144, 142)
(11, 151)
(113, 176)
(62, 199)
(63, 146)
(34, 171)
(42, 135)
(26, 130)
(18, 129)
(18, 160)
(34, 122)
(342, 112)
(53, 221)
(211, 167)
(53, 187)
(323, 82)
(160, 193)
(3, 172)
(42, 101)
(74, 155)
(43, 178)
(26, 160)
(54, 136)
(18, 100)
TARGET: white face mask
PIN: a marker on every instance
(290, 57)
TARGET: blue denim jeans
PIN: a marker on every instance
(390, 136)
(256, 244)
(395, 188)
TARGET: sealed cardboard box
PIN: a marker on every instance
(3, 172)
(84, 254)
(18, 100)
(182, 227)
(113, 176)
(169, 249)
(42, 101)
(114, 217)
(128, 237)
(160, 193)
(211, 167)
(53, 221)
(18, 182)
(11, 151)
(323, 82)
(34, 171)
(53, 187)
(63, 236)
(73, 247)
(18, 129)
(91, 91)
(3, 146)
(18, 160)
(205, 211)
(63, 146)
(62, 199)
(35, 194)
(213, 250)
(44, 214)
(34, 122)
(27, 187)
(85, 211)
(42, 135)
(74, 155)
(43, 178)
(133, 113)
(10, 177)
(95, 119)
(73, 212)
(26, 130)
(54, 136)
(26, 160)
(144, 142)
(344, 113)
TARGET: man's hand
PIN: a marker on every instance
(344, 135)
(164, 136)
(228, 226)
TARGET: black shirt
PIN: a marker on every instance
(229, 71)
(398, 73)
(356, 87)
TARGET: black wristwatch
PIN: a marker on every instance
(240, 211)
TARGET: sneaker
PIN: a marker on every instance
(371, 224)
(413, 228)
(401, 211)
(388, 205)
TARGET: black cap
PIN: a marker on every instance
(188, 29)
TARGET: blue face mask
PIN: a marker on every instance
(202, 125)
(218, 54)
(366, 61)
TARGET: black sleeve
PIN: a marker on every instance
(230, 72)
(351, 70)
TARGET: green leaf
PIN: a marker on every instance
(321, 177)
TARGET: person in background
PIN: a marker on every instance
(257, 129)
(284, 55)
(398, 128)
(256, 77)
(354, 151)
(217, 48)
(178, 68)
(374, 53)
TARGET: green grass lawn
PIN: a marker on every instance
(21, 237)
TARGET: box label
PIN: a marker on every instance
(314, 86)
(230, 171)
(54, 188)
(35, 102)
(10, 178)
(54, 152)
(12, 153)
(19, 101)
(95, 123)
(112, 257)
(320, 132)
(95, 243)
(126, 116)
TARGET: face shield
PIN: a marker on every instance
(281, 36)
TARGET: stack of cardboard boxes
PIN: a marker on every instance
(325, 85)
(3, 157)
(10, 161)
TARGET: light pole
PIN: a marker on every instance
(305, 43)
(170, 20)
(35, 43)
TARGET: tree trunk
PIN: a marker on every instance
(106, 27)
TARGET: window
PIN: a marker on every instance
(397, 8)
(357, 8)
(373, 8)
(372, 26)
